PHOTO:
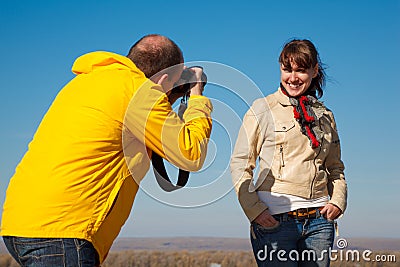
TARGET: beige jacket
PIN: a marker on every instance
(287, 162)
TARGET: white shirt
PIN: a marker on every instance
(281, 203)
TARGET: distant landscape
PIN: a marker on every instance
(204, 251)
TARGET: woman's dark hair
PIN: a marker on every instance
(154, 53)
(305, 55)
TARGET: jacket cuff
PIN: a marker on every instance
(202, 102)
(253, 212)
(341, 204)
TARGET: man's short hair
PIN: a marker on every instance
(154, 53)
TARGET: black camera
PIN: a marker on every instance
(187, 81)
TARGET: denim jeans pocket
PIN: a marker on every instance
(326, 219)
(39, 251)
(88, 255)
(81, 243)
(267, 230)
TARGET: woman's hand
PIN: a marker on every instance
(331, 212)
(265, 219)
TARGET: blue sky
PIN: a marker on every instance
(357, 40)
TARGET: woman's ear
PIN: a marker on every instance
(316, 69)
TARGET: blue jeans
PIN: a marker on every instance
(294, 242)
(54, 252)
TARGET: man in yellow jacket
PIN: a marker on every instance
(75, 186)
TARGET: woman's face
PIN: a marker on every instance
(296, 80)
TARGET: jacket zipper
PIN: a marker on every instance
(282, 161)
(315, 168)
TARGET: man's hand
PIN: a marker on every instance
(265, 219)
(198, 88)
(331, 212)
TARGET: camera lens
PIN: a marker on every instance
(187, 81)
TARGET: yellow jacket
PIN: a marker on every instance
(74, 180)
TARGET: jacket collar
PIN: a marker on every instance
(103, 60)
(282, 98)
(318, 106)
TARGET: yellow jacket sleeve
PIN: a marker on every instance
(150, 118)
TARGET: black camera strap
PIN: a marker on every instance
(159, 170)
(162, 176)
(157, 161)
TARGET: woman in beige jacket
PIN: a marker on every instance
(300, 189)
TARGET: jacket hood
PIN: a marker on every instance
(102, 60)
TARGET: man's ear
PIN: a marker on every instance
(163, 78)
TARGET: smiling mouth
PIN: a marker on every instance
(294, 86)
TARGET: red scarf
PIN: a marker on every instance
(303, 113)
